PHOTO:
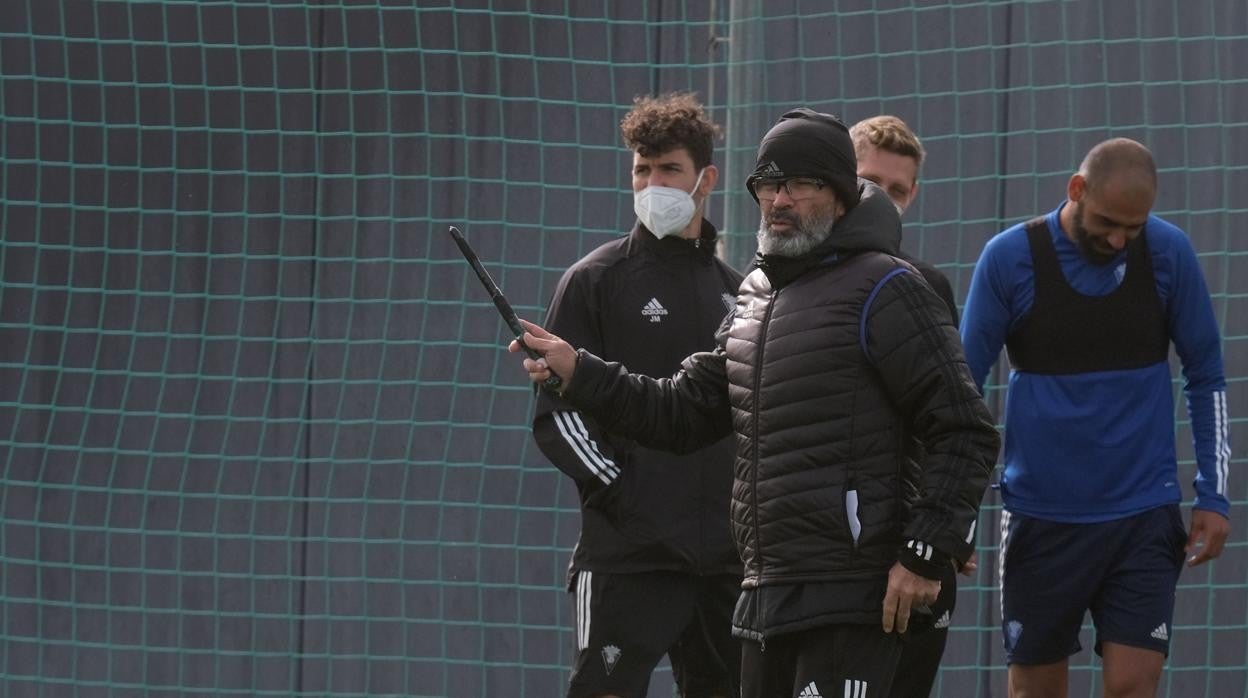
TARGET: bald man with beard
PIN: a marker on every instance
(1087, 300)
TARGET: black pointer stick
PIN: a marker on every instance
(504, 308)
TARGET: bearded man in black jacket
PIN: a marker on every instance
(837, 356)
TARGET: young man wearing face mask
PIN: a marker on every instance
(654, 572)
(835, 358)
(1087, 300)
(890, 154)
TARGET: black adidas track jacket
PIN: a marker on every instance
(646, 303)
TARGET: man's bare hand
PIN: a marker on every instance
(972, 564)
(906, 592)
(1207, 536)
(557, 356)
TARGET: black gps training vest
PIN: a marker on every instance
(1069, 332)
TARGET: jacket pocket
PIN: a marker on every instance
(624, 505)
(1178, 533)
(851, 515)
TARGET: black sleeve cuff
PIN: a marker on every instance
(923, 559)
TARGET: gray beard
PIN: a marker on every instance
(806, 235)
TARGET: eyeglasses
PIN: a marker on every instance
(798, 188)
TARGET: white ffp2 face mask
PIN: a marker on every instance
(665, 210)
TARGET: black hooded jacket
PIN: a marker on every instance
(832, 365)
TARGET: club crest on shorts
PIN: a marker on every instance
(1013, 630)
(610, 657)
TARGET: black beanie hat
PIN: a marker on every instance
(807, 143)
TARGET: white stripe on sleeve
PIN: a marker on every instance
(577, 436)
(1222, 445)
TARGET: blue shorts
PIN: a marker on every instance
(1124, 571)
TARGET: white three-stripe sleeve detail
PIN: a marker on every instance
(577, 436)
(1003, 549)
(1222, 444)
(612, 470)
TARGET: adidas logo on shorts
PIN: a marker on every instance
(1160, 632)
(941, 622)
(853, 689)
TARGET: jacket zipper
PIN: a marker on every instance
(758, 380)
(699, 561)
(850, 519)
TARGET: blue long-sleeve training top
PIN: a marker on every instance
(1098, 446)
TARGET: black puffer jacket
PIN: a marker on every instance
(832, 363)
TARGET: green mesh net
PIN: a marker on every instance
(258, 432)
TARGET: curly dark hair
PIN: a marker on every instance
(676, 120)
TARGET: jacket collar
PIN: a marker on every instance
(871, 226)
(642, 239)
